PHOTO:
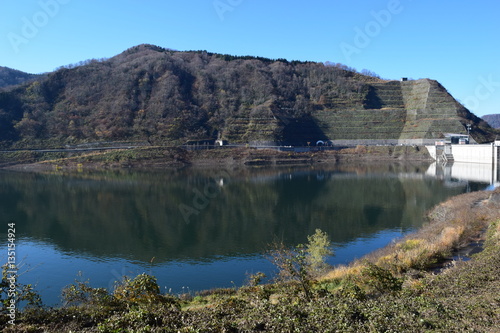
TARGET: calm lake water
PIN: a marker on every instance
(202, 229)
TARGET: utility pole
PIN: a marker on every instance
(468, 133)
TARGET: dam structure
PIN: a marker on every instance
(468, 157)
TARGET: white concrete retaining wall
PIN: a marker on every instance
(382, 142)
(432, 151)
(473, 153)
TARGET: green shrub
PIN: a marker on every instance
(302, 263)
(317, 250)
(379, 279)
(256, 279)
(23, 293)
(81, 293)
(144, 290)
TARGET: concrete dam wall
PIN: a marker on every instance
(479, 154)
(468, 158)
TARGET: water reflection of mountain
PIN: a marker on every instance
(140, 215)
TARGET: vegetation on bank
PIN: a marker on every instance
(388, 291)
(174, 156)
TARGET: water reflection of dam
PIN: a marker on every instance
(477, 172)
(466, 162)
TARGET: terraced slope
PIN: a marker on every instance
(408, 110)
(431, 111)
(379, 115)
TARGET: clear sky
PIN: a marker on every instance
(455, 42)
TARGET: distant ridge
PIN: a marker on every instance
(12, 77)
(149, 93)
(493, 120)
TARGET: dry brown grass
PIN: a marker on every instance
(450, 226)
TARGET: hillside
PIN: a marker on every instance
(152, 94)
(493, 120)
(12, 77)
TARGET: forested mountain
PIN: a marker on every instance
(493, 120)
(164, 96)
(11, 77)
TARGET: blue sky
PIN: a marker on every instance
(455, 42)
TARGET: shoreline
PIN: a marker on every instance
(160, 157)
(453, 229)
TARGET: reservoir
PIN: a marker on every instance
(197, 229)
